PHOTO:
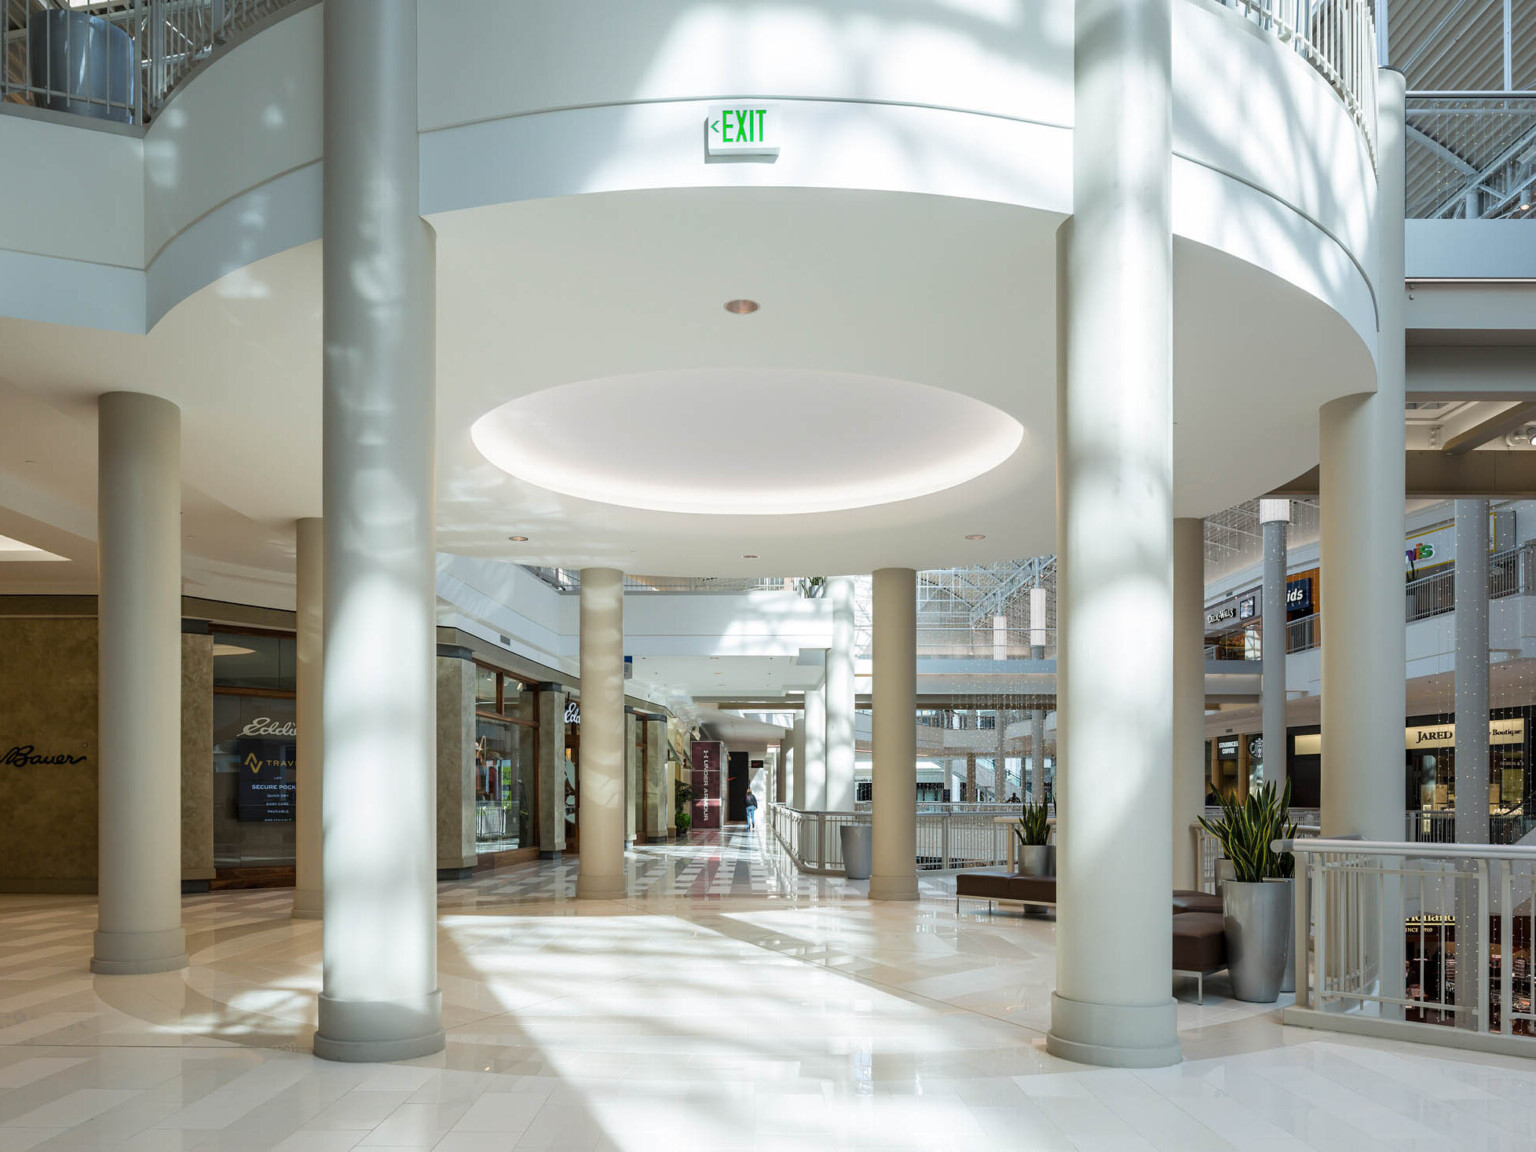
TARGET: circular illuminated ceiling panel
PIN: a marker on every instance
(746, 442)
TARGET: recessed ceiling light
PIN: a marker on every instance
(976, 536)
(741, 307)
(518, 539)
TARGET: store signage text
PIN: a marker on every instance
(1227, 749)
(266, 726)
(573, 712)
(25, 756)
(742, 130)
(1221, 615)
(1420, 552)
(1298, 597)
(1444, 735)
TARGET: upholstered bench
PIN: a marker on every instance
(1031, 891)
(1199, 946)
(1186, 901)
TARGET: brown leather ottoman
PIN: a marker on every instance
(1199, 946)
(1186, 901)
(1038, 891)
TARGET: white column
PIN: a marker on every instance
(893, 769)
(309, 619)
(1471, 671)
(1274, 518)
(601, 808)
(1360, 507)
(1114, 1006)
(816, 747)
(1037, 756)
(139, 712)
(798, 792)
(840, 697)
(1189, 769)
(1000, 761)
(1038, 635)
(380, 999)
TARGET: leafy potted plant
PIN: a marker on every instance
(1256, 902)
(1033, 829)
(683, 817)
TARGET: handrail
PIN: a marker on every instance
(1407, 848)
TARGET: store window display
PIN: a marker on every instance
(506, 765)
(255, 734)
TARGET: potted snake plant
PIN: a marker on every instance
(1256, 901)
(1033, 829)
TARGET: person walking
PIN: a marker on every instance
(751, 810)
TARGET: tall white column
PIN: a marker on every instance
(1471, 734)
(1114, 1006)
(799, 793)
(1471, 671)
(139, 604)
(840, 697)
(816, 747)
(1360, 507)
(1188, 695)
(1037, 756)
(601, 810)
(1000, 761)
(380, 999)
(309, 620)
(1275, 519)
(893, 771)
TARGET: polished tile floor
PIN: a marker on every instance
(729, 1003)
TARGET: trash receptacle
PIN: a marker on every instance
(81, 64)
(858, 849)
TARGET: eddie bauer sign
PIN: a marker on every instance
(25, 756)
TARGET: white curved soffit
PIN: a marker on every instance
(738, 442)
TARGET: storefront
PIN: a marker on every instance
(506, 762)
(255, 737)
(1430, 751)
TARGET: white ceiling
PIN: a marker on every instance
(947, 294)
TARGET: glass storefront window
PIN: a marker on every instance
(265, 663)
(254, 774)
(506, 769)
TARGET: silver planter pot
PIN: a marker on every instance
(1225, 870)
(1036, 860)
(1258, 926)
(1288, 979)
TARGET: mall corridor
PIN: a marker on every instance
(728, 1002)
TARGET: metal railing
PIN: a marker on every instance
(115, 59)
(569, 580)
(1338, 38)
(1438, 826)
(1406, 939)
(945, 839)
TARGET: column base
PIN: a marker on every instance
(549, 854)
(371, 1031)
(139, 953)
(601, 887)
(1114, 1035)
(308, 904)
(893, 888)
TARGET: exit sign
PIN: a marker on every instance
(743, 129)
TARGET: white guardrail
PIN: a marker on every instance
(980, 838)
(1425, 942)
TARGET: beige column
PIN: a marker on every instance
(551, 756)
(601, 778)
(309, 643)
(894, 766)
(456, 853)
(139, 595)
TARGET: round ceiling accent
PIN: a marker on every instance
(746, 442)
